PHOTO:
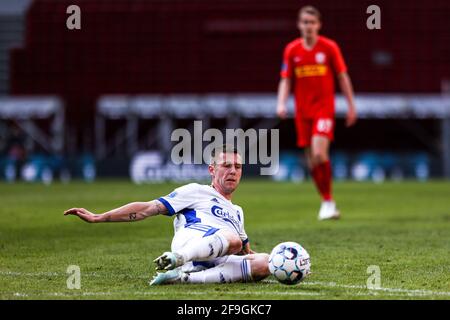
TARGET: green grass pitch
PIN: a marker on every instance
(403, 227)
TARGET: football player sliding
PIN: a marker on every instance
(210, 244)
(311, 62)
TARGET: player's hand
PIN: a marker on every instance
(282, 111)
(351, 118)
(83, 214)
(246, 250)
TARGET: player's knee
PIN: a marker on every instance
(260, 266)
(319, 157)
(234, 243)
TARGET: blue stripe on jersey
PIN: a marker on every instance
(210, 232)
(168, 206)
(199, 228)
(191, 216)
(244, 242)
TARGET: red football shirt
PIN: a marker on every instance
(312, 71)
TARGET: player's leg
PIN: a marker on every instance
(252, 267)
(304, 140)
(199, 243)
(308, 158)
(259, 265)
(221, 243)
(314, 136)
(321, 166)
(232, 268)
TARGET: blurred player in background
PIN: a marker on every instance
(312, 60)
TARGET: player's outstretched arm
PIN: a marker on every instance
(133, 211)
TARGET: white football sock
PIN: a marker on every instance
(234, 269)
(205, 249)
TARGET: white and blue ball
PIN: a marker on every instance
(289, 263)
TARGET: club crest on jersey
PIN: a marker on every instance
(320, 57)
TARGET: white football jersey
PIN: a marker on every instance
(196, 203)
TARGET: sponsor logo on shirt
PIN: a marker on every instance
(225, 215)
(310, 70)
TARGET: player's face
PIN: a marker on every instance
(226, 172)
(309, 25)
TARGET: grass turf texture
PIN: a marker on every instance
(401, 227)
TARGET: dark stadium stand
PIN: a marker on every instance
(201, 47)
(221, 46)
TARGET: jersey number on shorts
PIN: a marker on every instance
(324, 125)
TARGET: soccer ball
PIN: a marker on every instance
(289, 263)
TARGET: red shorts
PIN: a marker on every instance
(307, 128)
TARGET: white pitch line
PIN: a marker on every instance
(393, 291)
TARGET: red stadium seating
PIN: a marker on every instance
(169, 46)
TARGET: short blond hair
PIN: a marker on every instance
(225, 148)
(310, 10)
